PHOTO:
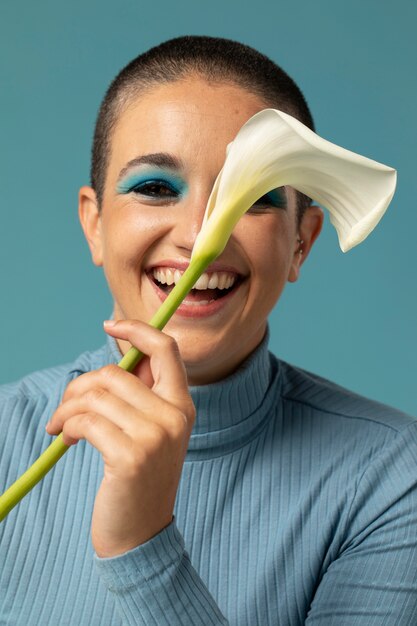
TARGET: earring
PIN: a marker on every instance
(300, 241)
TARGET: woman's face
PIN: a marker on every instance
(166, 152)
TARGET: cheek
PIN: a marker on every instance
(129, 233)
(268, 245)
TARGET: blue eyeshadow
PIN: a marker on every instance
(133, 180)
(275, 197)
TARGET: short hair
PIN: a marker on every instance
(213, 58)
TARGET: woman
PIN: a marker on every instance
(222, 485)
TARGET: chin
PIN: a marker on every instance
(195, 351)
(198, 349)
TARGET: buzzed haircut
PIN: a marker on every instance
(215, 59)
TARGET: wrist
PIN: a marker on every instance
(110, 549)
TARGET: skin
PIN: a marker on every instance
(141, 422)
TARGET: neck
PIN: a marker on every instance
(209, 371)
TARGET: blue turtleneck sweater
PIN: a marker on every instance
(297, 505)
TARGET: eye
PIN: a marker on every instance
(155, 189)
(273, 199)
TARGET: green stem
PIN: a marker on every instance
(57, 448)
(169, 306)
(32, 476)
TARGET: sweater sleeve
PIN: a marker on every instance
(155, 584)
(374, 579)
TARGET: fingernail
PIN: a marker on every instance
(108, 323)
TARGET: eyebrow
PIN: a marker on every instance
(157, 159)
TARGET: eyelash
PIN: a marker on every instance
(148, 189)
(267, 202)
(145, 189)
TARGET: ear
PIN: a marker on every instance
(90, 219)
(309, 230)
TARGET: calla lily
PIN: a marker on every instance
(274, 149)
(271, 150)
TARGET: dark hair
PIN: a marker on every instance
(215, 59)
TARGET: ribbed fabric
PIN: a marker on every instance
(297, 505)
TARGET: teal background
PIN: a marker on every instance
(352, 317)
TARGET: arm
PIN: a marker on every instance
(141, 423)
(374, 579)
(156, 584)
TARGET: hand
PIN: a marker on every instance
(141, 423)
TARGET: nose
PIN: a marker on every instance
(189, 220)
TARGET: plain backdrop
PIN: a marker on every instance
(352, 317)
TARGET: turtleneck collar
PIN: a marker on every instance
(232, 411)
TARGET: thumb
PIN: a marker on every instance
(143, 371)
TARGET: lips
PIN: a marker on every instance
(216, 276)
(212, 291)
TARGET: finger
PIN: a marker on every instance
(118, 382)
(124, 400)
(167, 368)
(106, 437)
(118, 450)
(100, 401)
(143, 371)
(96, 400)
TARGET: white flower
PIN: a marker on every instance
(274, 149)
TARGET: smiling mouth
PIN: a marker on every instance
(209, 287)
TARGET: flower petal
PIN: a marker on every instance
(274, 149)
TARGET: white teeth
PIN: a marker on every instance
(214, 280)
(225, 281)
(202, 282)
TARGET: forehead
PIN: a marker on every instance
(190, 118)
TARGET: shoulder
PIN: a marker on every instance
(324, 397)
(26, 405)
(361, 453)
(47, 382)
